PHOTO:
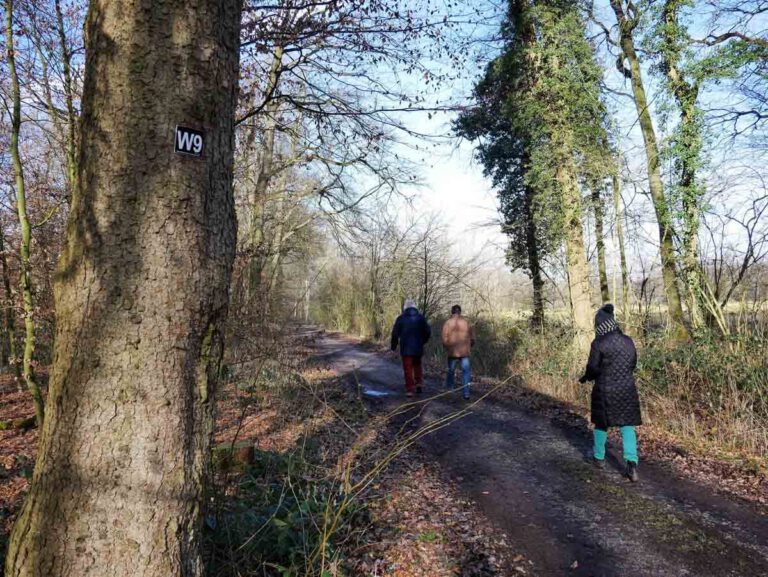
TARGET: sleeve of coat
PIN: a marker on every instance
(427, 330)
(395, 334)
(444, 334)
(593, 363)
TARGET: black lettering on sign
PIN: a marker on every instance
(188, 141)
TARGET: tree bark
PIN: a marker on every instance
(534, 264)
(578, 268)
(688, 160)
(374, 279)
(663, 218)
(25, 281)
(69, 95)
(597, 208)
(618, 213)
(141, 293)
(258, 242)
(10, 317)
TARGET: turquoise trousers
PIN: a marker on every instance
(628, 443)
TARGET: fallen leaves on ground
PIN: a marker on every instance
(422, 527)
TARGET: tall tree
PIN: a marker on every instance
(619, 227)
(142, 290)
(545, 88)
(8, 333)
(10, 315)
(555, 104)
(69, 100)
(25, 278)
(686, 150)
(505, 159)
(602, 269)
(628, 18)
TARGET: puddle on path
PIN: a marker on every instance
(376, 393)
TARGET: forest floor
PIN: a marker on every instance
(527, 473)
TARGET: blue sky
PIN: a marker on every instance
(455, 188)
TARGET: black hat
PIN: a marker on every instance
(604, 314)
(604, 321)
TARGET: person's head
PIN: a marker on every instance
(409, 304)
(455, 310)
(604, 320)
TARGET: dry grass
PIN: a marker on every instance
(709, 398)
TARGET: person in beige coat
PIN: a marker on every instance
(458, 340)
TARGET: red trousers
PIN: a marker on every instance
(414, 376)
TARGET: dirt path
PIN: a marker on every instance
(531, 477)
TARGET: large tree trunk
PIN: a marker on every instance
(141, 293)
(663, 217)
(578, 268)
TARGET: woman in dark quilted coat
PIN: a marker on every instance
(611, 364)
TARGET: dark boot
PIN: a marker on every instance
(598, 463)
(631, 471)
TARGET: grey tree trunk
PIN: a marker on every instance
(141, 293)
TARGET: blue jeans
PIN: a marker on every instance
(465, 373)
(628, 442)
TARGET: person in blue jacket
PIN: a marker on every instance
(411, 330)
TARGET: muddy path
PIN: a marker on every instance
(531, 477)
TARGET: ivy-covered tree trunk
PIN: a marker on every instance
(687, 153)
(25, 279)
(602, 270)
(534, 263)
(578, 268)
(141, 293)
(627, 25)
